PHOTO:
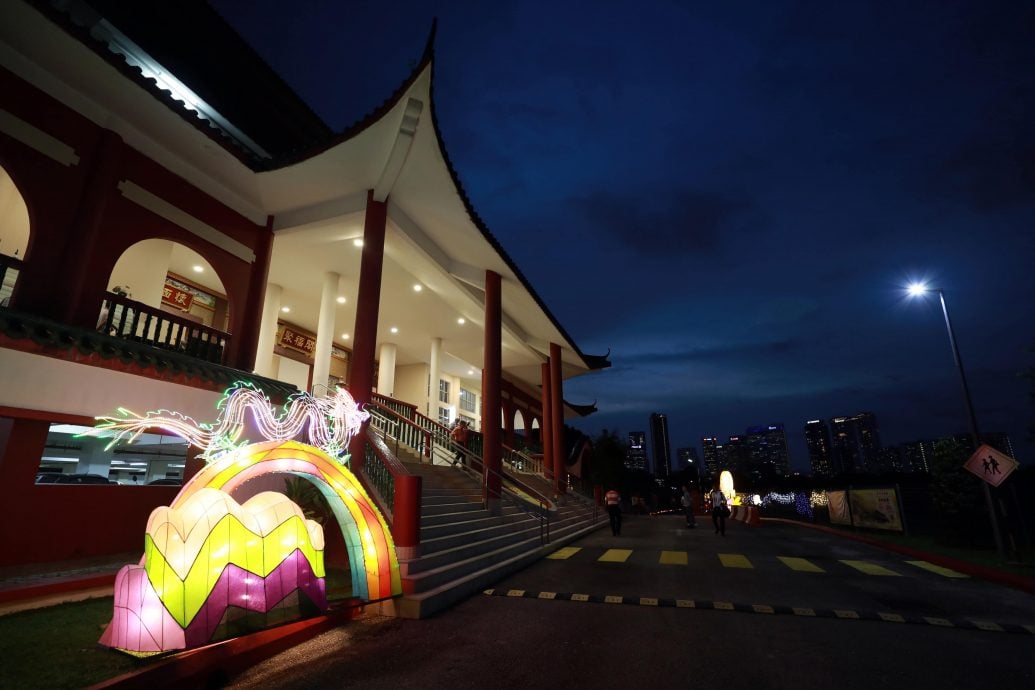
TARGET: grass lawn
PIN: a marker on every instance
(57, 647)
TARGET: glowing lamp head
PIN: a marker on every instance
(917, 289)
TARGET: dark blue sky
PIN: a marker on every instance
(735, 192)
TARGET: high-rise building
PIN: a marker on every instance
(636, 455)
(660, 449)
(738, 456)
(767, 450)
(916, 456)
(711, 459)
(855, 443)
(817, 439)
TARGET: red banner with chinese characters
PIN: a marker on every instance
(177, 297)
(297, 341)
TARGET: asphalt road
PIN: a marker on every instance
(776, 606)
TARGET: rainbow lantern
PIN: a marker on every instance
(206, 555)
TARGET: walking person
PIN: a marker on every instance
(613, 501)
(720, 510)
(687, 501)
(461, 432)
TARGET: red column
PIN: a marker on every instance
(406, 516)
(368, 298)
(245, 343)
(82, 284)
(560, 477)
(491, 388)
(544, 428)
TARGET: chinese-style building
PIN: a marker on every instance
(176, 220)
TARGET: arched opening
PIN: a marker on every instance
(14, 236)
(167, 295)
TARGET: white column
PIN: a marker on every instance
(433, 374)
(325, 333)
(268, 331)
(386, 370)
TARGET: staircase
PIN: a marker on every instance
(464, 548)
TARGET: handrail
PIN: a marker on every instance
(128, 319)
(398, 490)
(539, 510)
(391, 423)
(10, 268)
(520, 461)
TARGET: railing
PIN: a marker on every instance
(526, 499)
(398, 490)
(400, 430)
(128, 319)
(403, 409)
(10, 267)
(521, 461)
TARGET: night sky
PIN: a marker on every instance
(730, 196)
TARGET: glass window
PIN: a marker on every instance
(468, 400)
(443, 391)
(443, 416)
(69, 458)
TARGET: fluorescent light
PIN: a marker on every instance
(59, 458)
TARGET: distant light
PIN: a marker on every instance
(357, 242)
(461, 321)
(199, 269)
(285, 309)
(344, 336)
(393, 329)
(418, 287)
(917, 289)
(341, 299)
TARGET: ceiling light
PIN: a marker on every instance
(199, 269)
(470, 372)
(418, 287)
(393, 329)
(341, 300)
(285, 309)
(344, 336)
(357, 242)
(461, 321)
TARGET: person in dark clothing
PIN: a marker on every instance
(613, 501)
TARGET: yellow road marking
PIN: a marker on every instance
(891, 617)
(937, 569)
(547, 595)
(803, 612)
(801, 565)
(735, 560)
(685, 604)
(648, 601)
(616, 555)
(870, 568)
(762, 608)
(580, 597)
(723, 605)
(673, 558)
(986, 625)
(564, 553)
(939, 621)
(613, 600)
(840, 613)
(515, 592)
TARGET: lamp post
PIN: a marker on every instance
(918, 290)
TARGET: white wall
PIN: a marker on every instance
(411, 384)
(143, 268)
(14, 218)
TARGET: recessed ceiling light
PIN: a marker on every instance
(285, 309)
(199, 269)
(461, 321)
(341, 300)
(418, 287)
(357, 242)
(393, 329)
(470, 372)
(344, 336)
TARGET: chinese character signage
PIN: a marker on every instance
(177, 297)
(297, 341)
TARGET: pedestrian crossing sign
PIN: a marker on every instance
(991, 465)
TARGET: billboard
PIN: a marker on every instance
(873, 508)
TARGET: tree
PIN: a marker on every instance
(608, 459)
(960, 513)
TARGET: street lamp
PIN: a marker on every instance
(919, 290)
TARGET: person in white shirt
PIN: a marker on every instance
(720, 509)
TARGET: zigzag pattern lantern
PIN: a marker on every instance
(206, 556)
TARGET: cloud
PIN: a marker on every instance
(677, 222)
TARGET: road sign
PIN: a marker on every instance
(991, 465)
